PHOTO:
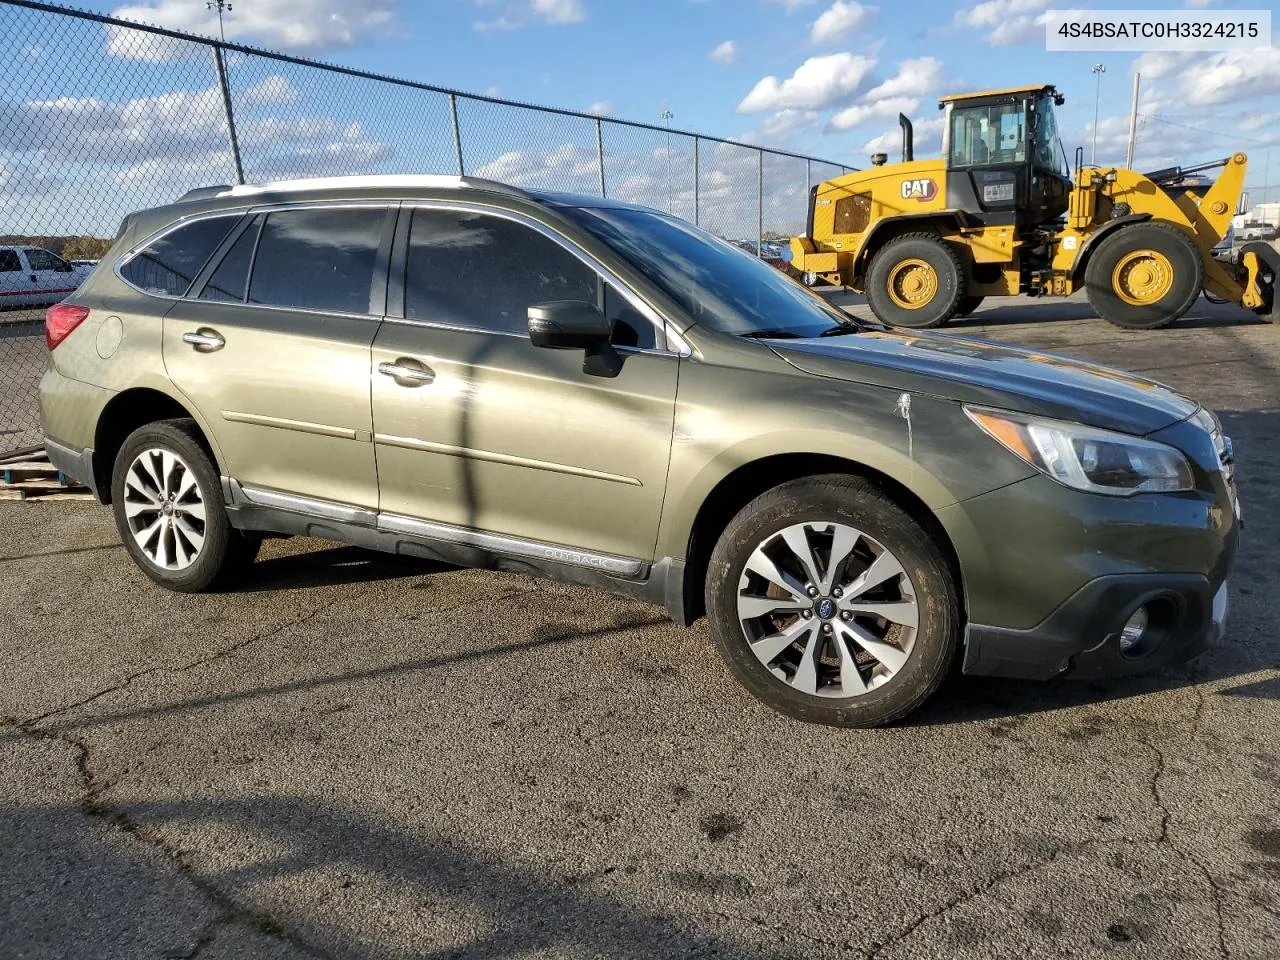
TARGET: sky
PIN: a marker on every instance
(821, 77)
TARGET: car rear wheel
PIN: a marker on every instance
(915, 281)
(831, 604)
(168, 507)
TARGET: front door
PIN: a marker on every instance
(273, 346)
(51, 278)
(475, 427)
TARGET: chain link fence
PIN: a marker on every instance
(100, 117)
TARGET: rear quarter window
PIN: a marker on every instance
(168, 265)
(9, 262)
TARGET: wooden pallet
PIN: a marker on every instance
(35, 478)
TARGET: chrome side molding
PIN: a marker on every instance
(511, 546)
(327, 509)
(236, 492)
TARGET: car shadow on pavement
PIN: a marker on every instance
(332, 566)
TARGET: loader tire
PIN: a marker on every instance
(1144, 276)
(915, 281)
(966, 306)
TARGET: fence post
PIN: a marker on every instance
(696, 185)
(457, 133)
(600, 154)
(808, 177)
(759, 204)
(221, 68)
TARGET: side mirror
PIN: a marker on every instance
(567, 325)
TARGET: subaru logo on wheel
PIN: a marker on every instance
(827, 608)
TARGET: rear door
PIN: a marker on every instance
(273, 346)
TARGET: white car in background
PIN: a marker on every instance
(32, 277)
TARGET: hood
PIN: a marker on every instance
(994, 375)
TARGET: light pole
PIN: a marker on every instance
(667, 115)
(219, 5)
(1098, 70)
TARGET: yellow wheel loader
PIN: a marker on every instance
(999, 214)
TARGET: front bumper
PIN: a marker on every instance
(1081, 639)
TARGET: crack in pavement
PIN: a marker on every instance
(1161, 838)
(1166, 817)
(228, 911)
(202, 661)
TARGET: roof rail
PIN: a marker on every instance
(383, 180)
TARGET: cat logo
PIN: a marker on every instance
(921, 190)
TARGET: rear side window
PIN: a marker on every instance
(476, 270)
(44, 260)
(229, 281)
(319, 259)
(9, 262)
(167, 266)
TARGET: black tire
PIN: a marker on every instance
(967, 306)
(946, 297)
(1178, 249)
(857, 503)
(224, 552)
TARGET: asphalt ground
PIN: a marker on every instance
(364, 756)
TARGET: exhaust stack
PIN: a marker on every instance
(908, 146)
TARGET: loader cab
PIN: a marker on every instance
(1005, 162)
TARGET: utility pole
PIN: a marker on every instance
(667, 115)
(1133, 122)
(1098, 70)
(219, 5)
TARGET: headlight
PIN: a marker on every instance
(1086, 458)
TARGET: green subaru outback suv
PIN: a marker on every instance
(601, 393)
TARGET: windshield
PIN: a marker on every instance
(719, 285)
(1047, 145)
(987, 135)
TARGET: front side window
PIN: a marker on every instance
(477, 270)
(169, 265)
(319, 259)
(44, 260)
(982, 136)
(1048, 146)
(714, 282)
(9, 262)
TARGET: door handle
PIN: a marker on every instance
(407, 372)
(204, 340)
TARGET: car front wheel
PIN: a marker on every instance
(831, 604)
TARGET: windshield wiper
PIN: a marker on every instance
(840, 329)
(777, 334)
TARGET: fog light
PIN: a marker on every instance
(1132, 632)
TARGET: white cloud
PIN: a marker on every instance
(560, 11)
(817, 83)
(916, 77)
(521, 13)
(840, 19)
(308, 26)
(1225, 77)
(600, 108)
(861, 113)
(493, 91)
(791, 6)
(725, 52)
(783, 125)
(927, 137)
(1006, 22)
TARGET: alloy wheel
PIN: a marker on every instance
(829, 610)
(164, 508)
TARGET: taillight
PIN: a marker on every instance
(60, 320)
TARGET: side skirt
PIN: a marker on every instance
(270, 511)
